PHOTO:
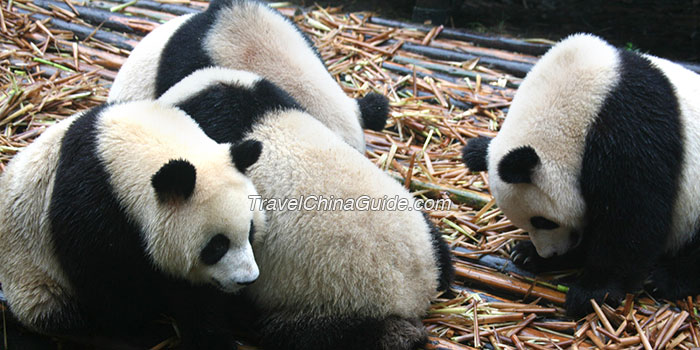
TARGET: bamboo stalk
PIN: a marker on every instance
(499, 43)
(508, 284)
(471, 198)
(83, 32)
(459, 72)
(114, 21)
(519, 69)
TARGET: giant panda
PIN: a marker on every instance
(329, 279)
(598, 160)
(121, 213)
(247, 35)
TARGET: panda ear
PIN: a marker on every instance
(245, 154)
(516, 167)
(474, 154)
(374, 109)
(175, 180)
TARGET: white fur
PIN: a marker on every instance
(686, 218)
(373, 263)
(253, 37)
(175, 234)
(134, 141)
(31, 281)
(136, 79)
(559, 99)
(200, 79)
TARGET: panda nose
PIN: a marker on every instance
(246, 283)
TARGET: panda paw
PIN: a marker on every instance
(403, 334)
(668, 284)
(525, 255)
(578, 298)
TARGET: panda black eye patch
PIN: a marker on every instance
(215, 249)
(251, 234)
(541, 223)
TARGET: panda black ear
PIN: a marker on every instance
(374, 109)
(516, 167)
(474, 154)
(174, 180)
(245, 154)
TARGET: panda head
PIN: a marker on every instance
(187, 194)
(531, 192)
(535, 161)
(207, 225)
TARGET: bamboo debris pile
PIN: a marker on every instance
(59, 57)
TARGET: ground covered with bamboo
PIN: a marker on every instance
(445, 86)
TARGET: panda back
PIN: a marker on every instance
(137, 78)
(227, 103)
(335, 262)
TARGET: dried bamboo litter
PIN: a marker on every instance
(436, 105)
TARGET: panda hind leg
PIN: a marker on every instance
(309, 332)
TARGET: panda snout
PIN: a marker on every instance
(247, 283)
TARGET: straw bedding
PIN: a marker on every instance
(59, 57)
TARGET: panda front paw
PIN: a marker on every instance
(578, 298)
(525, 255)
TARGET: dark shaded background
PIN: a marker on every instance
(664, 28)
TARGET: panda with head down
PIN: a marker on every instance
(120, 214)
(598, 160)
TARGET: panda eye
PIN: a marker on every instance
(251, 234)
(215, 249)
(543, 224)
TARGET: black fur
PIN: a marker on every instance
(525, 255)
(251, 233)
(629, 180)
(227, 113)
(184, 52)
(444, 256)
(302, 331)
(676, 276)
(244, 108)
(115, 285)
(245, 154)
(99, 248)
(215, 249)
(516, 166)
(632, 161)
(542, 223)
(175, 180)
(475, 152)
(374, 109)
